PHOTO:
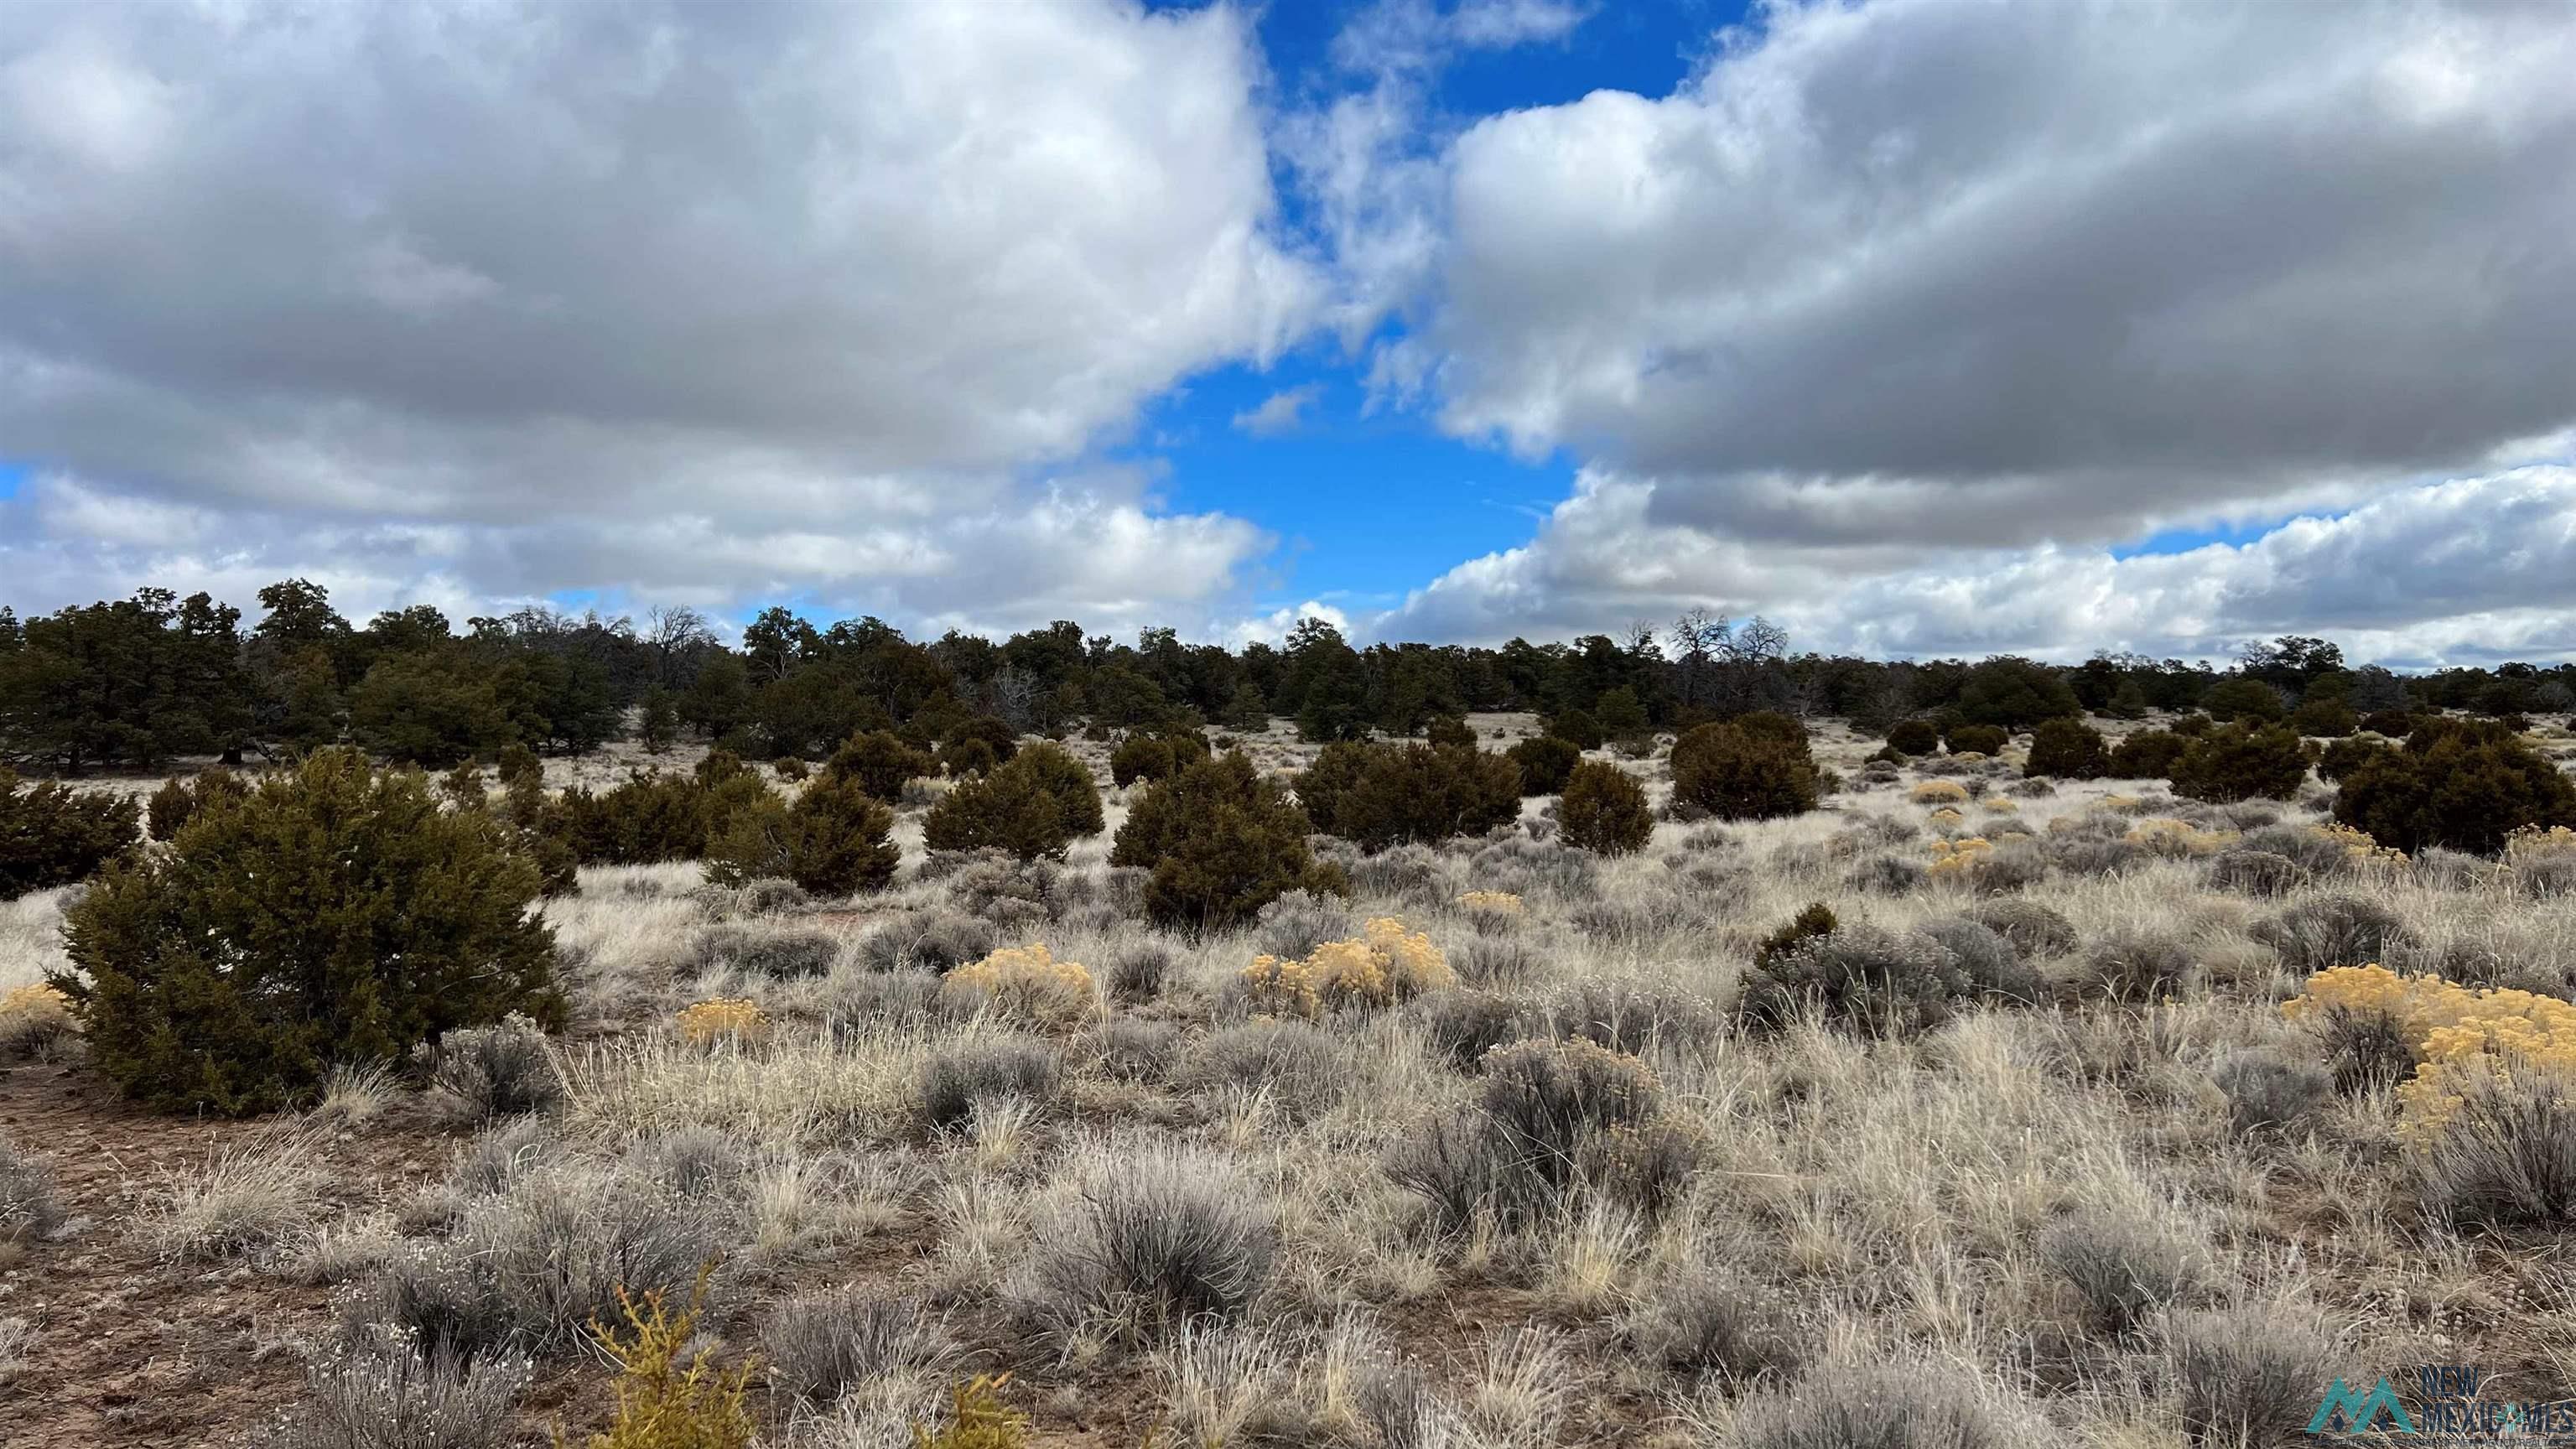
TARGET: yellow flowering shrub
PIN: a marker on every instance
(2357, 845)
(1027, 982)
(1960, 857)
(1501, 903)
(2457, 1034)
(1382, 965)
(1939, 792)
(2530, 842)
(31, 1016)
(1998, 805)
(2162, 835)
(726, 1018)
(1946, 816)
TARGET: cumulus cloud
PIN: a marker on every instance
(2463, 570)
(2020, 271)
(702, 300)
(1280, 413)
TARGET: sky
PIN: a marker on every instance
(1922, 327)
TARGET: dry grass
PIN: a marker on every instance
(2052, 1217)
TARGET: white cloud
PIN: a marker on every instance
(2020, 270)
(792, 297)
(2467, 569)
(1275, 626)
(1280, 413)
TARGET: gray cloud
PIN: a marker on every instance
(2472, 568)
(1966, 273)
(708, 298)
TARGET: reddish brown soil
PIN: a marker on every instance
(131, 1351)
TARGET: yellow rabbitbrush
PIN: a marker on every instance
(2459, 1036)
(1029, 983)
(726, 1018)
(663, 1403)
(1380, 966)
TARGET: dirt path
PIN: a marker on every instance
(131, 1351)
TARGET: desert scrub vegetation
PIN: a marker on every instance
(1383, 965)
(334, 914)
(1036, 806)
(54, 835)
(2241, 762)
(1742, 770)
(1220, 842)
(1379, 796)
(1604, 810)
(1667, 1144)
(2467, 786)
(831, 840)
(1546, 763)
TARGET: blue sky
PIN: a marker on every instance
(1919, 326)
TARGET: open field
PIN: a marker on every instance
(2123, 1213)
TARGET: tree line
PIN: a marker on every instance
(139, 682)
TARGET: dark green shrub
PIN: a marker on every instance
(2239, 698)
(175, 803)
(2192, 726)
(995, 735)
(1604, 810)
(2015, 693)
(1321, 785)
(1733, 773)
(1036, 806)
(879, 762)
(2461, 786)
(424, 708)
(1448, 729)
(332, 915)
(2325, 719)
(2346, 755)
(2068, 750)
(967, 757)
(1580, 727)
(517, 763)
(648, 818)
(1546, 763)
(1976, 739)
(2240, 762)
(53, 835)
(2147, 755)
(1140, 757)
(791, 769)
(1914, 737)
(1770, 724)
(1423, 794)
(832, 841)
(1221, 841)
(2397, 724)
